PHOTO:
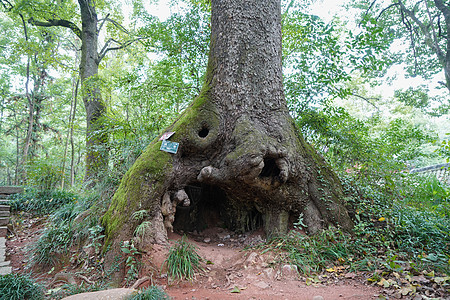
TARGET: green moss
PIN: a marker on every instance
(138, 188)
(194, 114)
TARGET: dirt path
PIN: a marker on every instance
(247, 273)
(251, 275)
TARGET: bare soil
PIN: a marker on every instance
(231, 271)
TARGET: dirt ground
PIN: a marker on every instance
(230, 271)
(235, 273)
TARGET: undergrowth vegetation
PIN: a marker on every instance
(41, 202)
(19, 287)
(401, 232)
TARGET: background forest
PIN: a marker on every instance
(366, 85)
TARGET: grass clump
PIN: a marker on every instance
(19, 287)
(183, 261)
(150, 293)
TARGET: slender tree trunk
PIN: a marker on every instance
(16, 168)
(73, 105)
(96, 136)
(72, 147)
(241, 159)
(27, 140)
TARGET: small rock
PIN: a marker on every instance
(289, 270)
(317, 298)
(262, 285)
(269, 273)
(220, 245)
(207, 240)
(251, 259)
(223, 235)
(350, 275)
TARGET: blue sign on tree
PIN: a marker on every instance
(171, 147)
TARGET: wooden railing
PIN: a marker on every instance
(441, 171)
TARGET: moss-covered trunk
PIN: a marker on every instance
(241, 160)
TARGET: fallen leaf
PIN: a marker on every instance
(406, 290)
(420, 279)
(430, 274)
(384, 283)
(440, 280)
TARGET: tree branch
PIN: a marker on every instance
(430, 18)
(366, 100)
(446, 12)
(102, 23)
(123, 45)
(367, 11)
(120, 27)
(425, 31)
(7, 5)
(57, 23)
(385, 9)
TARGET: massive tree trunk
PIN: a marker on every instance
(241, 161)
(96, 136)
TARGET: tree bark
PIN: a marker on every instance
(96, 136)
(240, 156)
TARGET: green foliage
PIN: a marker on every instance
(131, 261)
(150, 293)
(444, 148)
(374, 147)
(401, 228)
(95, 237)
(313, 59)
(183, 261)
(52, 245)
(61, 232)
(312, 254)
(41, 203)
(415, 23)
(412, 217)
(417, 231)
(19, 287)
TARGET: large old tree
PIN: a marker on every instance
(241, 161)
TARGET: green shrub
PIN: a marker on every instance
(41, 203)
(20, 287)
(183, 260)
(150, 293)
